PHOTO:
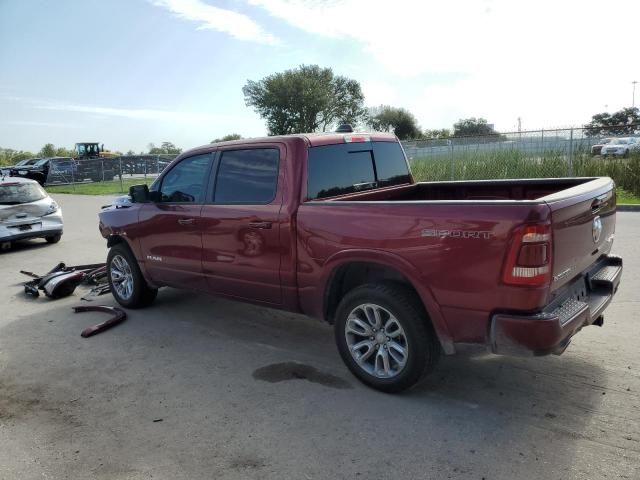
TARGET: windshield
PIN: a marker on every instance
(27, 161)
(40, 163)
(16, 193)
(620, 141)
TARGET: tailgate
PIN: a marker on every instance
(583, 221)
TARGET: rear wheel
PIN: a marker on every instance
(384, 336)
(53, 238)
(128, 286)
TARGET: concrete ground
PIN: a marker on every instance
(187, 389)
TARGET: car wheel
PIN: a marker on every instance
(53, 238)
(128, 286)
(384, 336)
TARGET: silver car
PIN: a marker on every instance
(27, 211)
(620, 147)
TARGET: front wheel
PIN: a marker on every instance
(384, 336)
(128, 286)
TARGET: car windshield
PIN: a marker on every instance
(23, 192)
(40, 162)
(620, 141)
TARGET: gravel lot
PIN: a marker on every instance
(187, 389)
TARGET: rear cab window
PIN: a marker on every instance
(351, 167)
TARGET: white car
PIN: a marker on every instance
(620, 147)
(27, 211)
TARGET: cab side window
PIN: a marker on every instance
(185, 183)
(247, 176)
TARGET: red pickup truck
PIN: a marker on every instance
(334, 226)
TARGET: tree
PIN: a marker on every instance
(472, 127)
(398, 120)
(64, 152)
(437, 134)
(9, 156)
(305, 99)
(49, 150)
(226, 138)
(622, 122)
(165, 148)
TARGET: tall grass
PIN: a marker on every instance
(515, 164)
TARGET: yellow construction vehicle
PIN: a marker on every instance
(92, 150)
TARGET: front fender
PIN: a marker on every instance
(133, 245)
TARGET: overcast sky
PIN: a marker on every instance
(130, 72)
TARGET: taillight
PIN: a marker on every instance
(528, 261)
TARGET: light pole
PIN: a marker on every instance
(633, 97)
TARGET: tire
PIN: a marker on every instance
(53, 238)
(398, 305)
(133, 291)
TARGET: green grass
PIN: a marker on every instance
(628, 198)
(99, 188)
(515, 164)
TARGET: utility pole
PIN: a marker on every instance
(633, 97)
(520, 130)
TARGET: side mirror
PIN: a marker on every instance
(139, 193)
(102, 147)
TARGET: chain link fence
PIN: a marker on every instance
(531, 154)
(527, 154)
(122, 170)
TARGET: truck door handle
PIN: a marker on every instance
(185, 221)
(265, 225)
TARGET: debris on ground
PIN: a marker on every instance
(118, 316)
(62, 280)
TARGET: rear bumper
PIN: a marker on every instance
(550, 330)
(28, 236)
(42, 227)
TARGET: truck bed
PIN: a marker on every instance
(457, 235)
(480, 190)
